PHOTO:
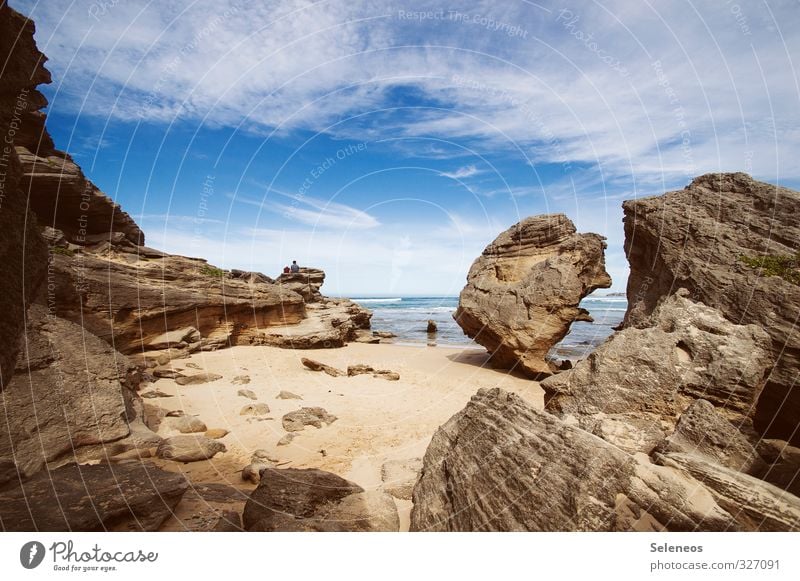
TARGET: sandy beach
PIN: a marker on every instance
(378, 420)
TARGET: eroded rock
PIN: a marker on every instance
(296, 421)
(704, 238)
(522, 294)
(501, 465)
(103, 497)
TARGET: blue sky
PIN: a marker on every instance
(389, 142)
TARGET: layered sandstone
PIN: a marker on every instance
(522, 294)
(632, 388)
(501, 465)
(22, 250)
(709, 238)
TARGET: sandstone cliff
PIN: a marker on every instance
(22, 250)
(69, 396)
(523, 292)
(710, 238)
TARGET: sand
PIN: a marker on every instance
(378, 420)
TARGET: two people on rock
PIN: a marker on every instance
(295, 268)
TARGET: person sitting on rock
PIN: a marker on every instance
(286, 270)
(295, 267)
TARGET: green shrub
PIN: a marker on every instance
(208, 270)
(62, 250)
(785, 266)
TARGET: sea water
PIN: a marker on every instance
(407, 317)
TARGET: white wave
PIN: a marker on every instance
(393, 300)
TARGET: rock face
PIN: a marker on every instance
(313, 500)
(147, 301)
(306, 283)
(23, 252)
(703, 431)
(633, 387)
(704, 238)
(522, 293)
(70, 391)
(105, 497)
(500, 465)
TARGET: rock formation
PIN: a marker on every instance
(710, 238)
(70, 390)
(634, 386)
(522, 293)
(23, 252)
(306, 283)
(313, 500)
(130, 496)
(500, 465)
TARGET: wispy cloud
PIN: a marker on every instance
(699, 79)
(310, 210)
(461, 173)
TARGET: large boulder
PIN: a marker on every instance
(522, 294)
(633, 387)
(710, 238)
(103, 497)
(313, 500)
(71, 390)
(501, 465)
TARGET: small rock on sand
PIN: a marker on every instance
(197, 379)
(154, 394)
(241, 380)
(286, 440)
(189, 448)
(287, 395)
(254, 409)
(296, 421)
(188, 425)
(249, 393)
(252, 472)
(216, 433)
(317, 366)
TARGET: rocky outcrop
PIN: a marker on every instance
(152, 303)
(522, 293)
(329, 323)
(63, 198)
(313, 500)
(105, 497)
(710, 238)
(70, 391)
(631, 390)
(306, 283)
(23, 252)
(500, 465)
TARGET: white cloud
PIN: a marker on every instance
(311, 211)
(461, 173)
(332, 66)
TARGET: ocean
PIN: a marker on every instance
(407, 317)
